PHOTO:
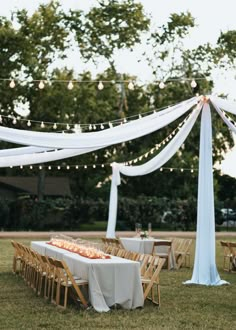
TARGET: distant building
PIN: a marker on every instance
(12, 187)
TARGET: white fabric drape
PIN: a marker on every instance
(205, 271)
(146, 168)
(101, 139)
(22, 151)
(229, 106)
(225, 119)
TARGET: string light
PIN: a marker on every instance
(12, 84)
(83, 127)
(41, 84)
(193, 84)
(131, 85)
(100, 85)
(162, 85)
(70, 85)
(94, 166)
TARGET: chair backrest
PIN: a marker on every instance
(165, 243)
(225, 246)
(232, 247)
(61, 264)
(152, 274)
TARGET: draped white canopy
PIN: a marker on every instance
(43, 147)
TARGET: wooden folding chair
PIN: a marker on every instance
(226, 256)
(17, 258)
(163, 254)
(232, 248)
(151, 280)
(64, 278)
(182, 252)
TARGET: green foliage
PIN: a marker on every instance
(114, 25)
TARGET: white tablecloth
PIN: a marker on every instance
(111, 281)
(145, 245)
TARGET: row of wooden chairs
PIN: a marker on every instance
(150, 267)
(229, 257)
(114, 242)
(47, 276)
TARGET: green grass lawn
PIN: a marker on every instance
(182, 307)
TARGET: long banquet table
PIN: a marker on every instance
(111, 281)
(145, 245)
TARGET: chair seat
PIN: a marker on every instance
(77, 281)
(162, 255)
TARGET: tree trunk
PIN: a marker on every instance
(41, 184)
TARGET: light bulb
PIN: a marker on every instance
(193, 84)
(67, 126)
(90, 127)
(54, 126)
(42, 125)
(49, 167)
(102, 126)
(162, 85)
(41, 84)
(67, 167)
(77, 167)
(12, 84)
(58, 167)
(29, 123)
(131, 85)
(14, 121)
(70, 85)
(40, 167)
(100, 85)
(85, 166)
(31, 167)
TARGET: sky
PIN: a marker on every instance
(211, 17)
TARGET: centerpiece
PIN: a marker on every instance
(144, 234)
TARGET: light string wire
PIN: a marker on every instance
(130, 162)
(80, 127)
(70, 82)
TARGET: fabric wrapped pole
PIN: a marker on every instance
(205, 271)
(146, 168)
